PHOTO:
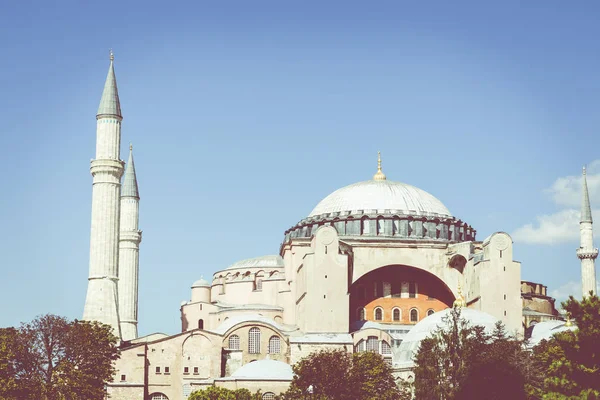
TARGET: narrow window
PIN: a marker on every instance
(360, 346)
(195, 370)
(254, 341)
(234, 342)
(504, 297)
(387, 289)
(365, 226)
(258, 280)
(396, 314)
(361, 314)
(274, 345)
(186, 370)
(385, 348)
(414, 315)
(380, 226)
(378, 314)
(167, 370)
(123, 377)
(412, 290)
(200, 324)
(158, 370)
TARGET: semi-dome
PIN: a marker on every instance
(428, 325)
(381, 195)
(201, 283)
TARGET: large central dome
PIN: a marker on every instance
(381, 195)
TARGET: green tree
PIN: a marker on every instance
(217, 393)
(8, 367)
(52, 358)
(570, 360)
(339, 375)
(460, 361)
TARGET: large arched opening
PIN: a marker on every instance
(397, 294)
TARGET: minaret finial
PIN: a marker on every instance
(379, 176)
(112, 55)
(130, 147)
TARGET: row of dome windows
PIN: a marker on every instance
(399, 289)
(187, 392)
(254, 336)
(378, 314)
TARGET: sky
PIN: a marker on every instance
(244, 115)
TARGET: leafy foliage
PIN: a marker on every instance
(571, 359)
(53, 358)
(218, 393)
(460, 361)
(339, 375)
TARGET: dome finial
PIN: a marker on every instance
(569, 322)
(460, 300)
(111, 55)
(379, 176)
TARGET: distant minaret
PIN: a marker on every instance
(101, 303)
(586, 252)
(129, 245)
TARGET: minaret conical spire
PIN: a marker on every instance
(130, 186)
(586, 209)
(109, 104)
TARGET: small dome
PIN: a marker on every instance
(381, 195)
(201, 283)
(265, 370)
(424, 328)
(545, 330)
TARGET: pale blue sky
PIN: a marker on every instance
(236, 108)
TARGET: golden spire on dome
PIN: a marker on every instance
(569, 322)
(379, 176)
(460, 300)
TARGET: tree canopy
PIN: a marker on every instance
(53, 358)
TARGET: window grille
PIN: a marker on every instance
(378, 314)
(254, 341)
(385, 348)
(360, 346)
(380, 226)
(268, 396)
(373, 344)
(414, 315)
(274, 345)
(158, 396)
(396, 315)
(234, 342)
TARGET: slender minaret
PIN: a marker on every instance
(129, 247)
(586, 252)
(101, 303)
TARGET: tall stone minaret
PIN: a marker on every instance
(101, 303)
(586, 252)
(129, 245)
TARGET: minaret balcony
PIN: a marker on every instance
(587, 254)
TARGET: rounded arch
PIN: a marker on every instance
(234, 342)
(378, 314)
(431, 311)
(158, 396)
(414, 315)
(458, 262)
(396, 314)
(274, 345)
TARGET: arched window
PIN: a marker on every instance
(200, 324)
(234, 342)
(414, 315)
(268, 396)
(430, 312)
(360, 314)
(254, 341)
(373, 344)
(360, 346)
(366, 226)
(380, 226)
(274, 345)
(158, 396)
(396, 314)
(378, 314)
(385, 348)
(258, 280)
(222, 282)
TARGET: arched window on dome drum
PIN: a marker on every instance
(373, 344)
(274, 345)
(365, 227)
(258, 280)
(380, 226)
(158, 396)
(234, 342)
(360, 314)
(254, 341)
(430, 312)
(378, 314)
(396, 314)
(268, 396)
(396, 226)
(385, 348)
(414, 315)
